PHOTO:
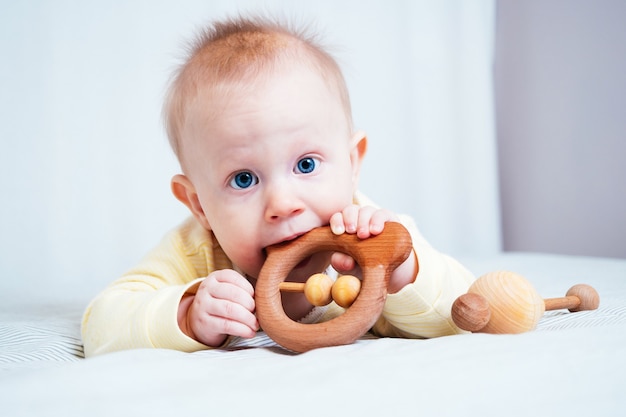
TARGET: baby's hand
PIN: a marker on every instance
(222, 306)
(366, 222)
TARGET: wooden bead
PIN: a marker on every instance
(588, 296)
(320, 290)
(471, 312)
(317, 289)
(345, 290)
(516, 306)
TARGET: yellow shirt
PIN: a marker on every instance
(139, 310)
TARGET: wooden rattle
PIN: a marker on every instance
(320, 289)
(505, 302)
(378, 256)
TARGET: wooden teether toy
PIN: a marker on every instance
(505, 302)
(378, 256)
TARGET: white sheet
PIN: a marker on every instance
(573, 363)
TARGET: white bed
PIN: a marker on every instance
(574, 363)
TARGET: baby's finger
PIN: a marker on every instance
(234, 312)
(232, 277)
(342, 263)
(220, 291)
(351, 218)
(224, 326)
(336, 224)
(378, 220)
(363, 226)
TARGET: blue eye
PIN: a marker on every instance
(243, 180)
(306, 165)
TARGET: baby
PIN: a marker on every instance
(259, 118)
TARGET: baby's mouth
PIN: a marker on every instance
(304, 262)
(283, 242)
(300, 264)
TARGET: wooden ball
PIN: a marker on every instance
(588, 296)
(471, 312)
(317, 289)
(516, 306)
(345, 290)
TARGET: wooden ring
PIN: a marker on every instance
(378, 256)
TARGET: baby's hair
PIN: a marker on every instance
(241, 48)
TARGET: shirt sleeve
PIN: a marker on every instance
(140, 309)
(422, 309)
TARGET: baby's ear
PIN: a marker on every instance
(357, 153)
(185, 192)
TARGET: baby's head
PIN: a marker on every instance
(236, 53)
(259, 118)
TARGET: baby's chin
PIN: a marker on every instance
(251, 267)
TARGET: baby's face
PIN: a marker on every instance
(270, 163)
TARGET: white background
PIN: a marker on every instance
(86, 166)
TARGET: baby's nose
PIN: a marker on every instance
(282, 203)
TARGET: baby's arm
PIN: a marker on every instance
(422, 309)
(145, 307)
(417, 306)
